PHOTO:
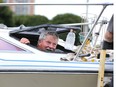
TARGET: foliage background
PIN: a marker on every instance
(8, 18)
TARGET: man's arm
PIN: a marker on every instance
(109, 33)
(108, 38)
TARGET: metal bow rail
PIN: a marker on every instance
(55, 4)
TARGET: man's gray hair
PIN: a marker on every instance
(44, 34)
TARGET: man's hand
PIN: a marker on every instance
(25, 41)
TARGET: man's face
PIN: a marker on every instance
(49, 43)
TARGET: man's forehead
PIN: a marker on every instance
(51, 36)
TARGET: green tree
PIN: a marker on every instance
(20, 19)
(6, 16)
(37, 20)
(28, 20)
(1, 1)
(66, 18)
